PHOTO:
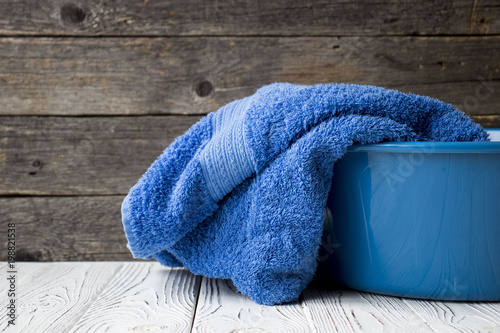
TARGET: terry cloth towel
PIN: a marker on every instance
(241, 195)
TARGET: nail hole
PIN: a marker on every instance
(203, 88)
(27, 255)
(391, 20)
(72, 14)
(441, 64)
(335, 46)
(32, 173)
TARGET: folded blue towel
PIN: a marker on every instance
(241, 195)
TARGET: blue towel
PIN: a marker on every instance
(241, 195)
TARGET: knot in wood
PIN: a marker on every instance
(203, 88)
(72, 14)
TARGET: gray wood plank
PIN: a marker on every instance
(261, 17)
(124, 76)
(89, 155)
(83, 155)
(490, 121)
(66, 228)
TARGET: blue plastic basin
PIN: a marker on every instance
(416, 219)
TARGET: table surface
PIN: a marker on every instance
(146, 297)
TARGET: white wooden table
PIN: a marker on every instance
(146, 297)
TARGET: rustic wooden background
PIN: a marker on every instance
(92, 91)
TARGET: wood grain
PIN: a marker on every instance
(292, 17)
(144, 297)
(458, 316)
(88, 155)
(51, 298)
(125, 76)
(332, 310)
(221, 308)
(66, 228)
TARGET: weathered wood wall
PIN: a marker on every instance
(92, 91)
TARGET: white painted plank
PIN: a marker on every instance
(51, 297)
(332, 310)
(458, 316)
(494, 135)
(221, 308)
(144, 296)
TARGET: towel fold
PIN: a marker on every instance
(241, 195)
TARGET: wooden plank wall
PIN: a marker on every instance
(92, 91)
